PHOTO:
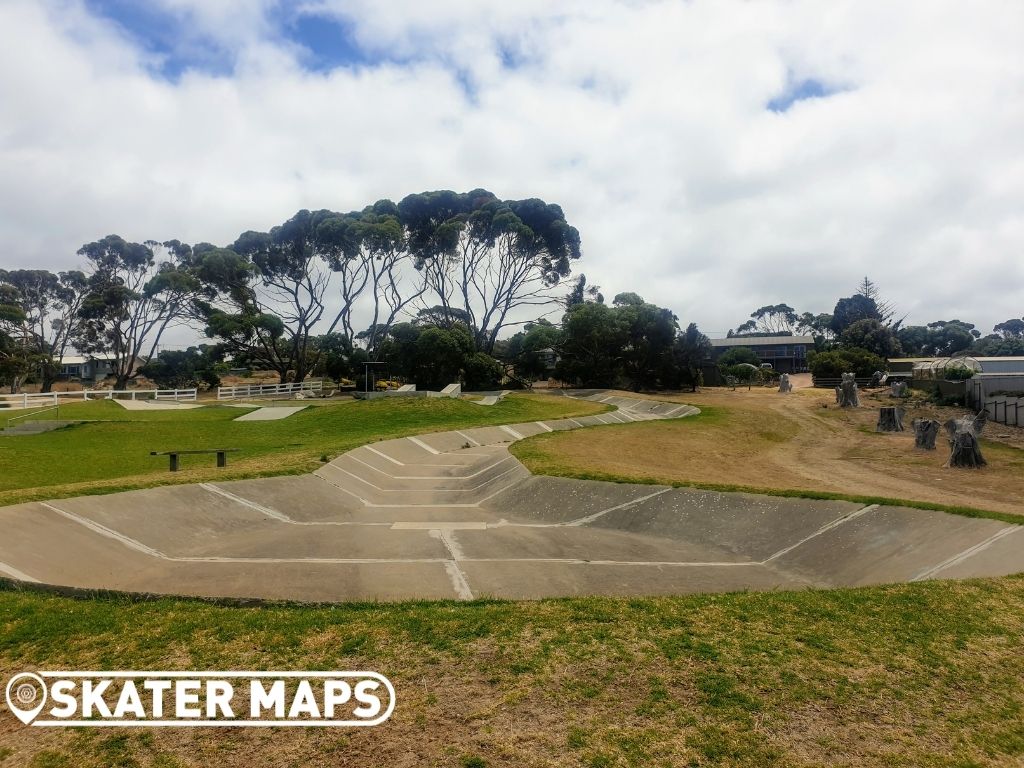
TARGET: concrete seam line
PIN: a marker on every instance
(319, 560)
(455, 573)
(824, 529)
(417, 490)
(343, 489)
(211, 488)
(509, 430)
(417, 442)
(468, 438)
(458, 579)
(426, 477)
(969, 552)
(383, 455)
(591, 518)
(543, 426)
(14, 573)
(109, 533)
(579, 561)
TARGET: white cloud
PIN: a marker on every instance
(646, 121)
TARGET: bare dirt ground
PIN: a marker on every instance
(802, 441)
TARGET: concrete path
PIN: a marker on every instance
(455, 515)
(270, 413)
(155, 405)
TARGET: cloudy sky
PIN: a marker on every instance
(715, 156)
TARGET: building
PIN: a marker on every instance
(786, 354)
(85, 368)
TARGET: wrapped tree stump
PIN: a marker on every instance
(890, 419)
(925, 432)
(846, 393)
(784, 385)
(963, 441)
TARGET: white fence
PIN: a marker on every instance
(268, 390)
(30, 399)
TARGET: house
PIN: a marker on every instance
(87, 368)
(786, 354)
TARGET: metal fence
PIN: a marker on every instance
(829, 383)
(268, 390)
(1005, 410)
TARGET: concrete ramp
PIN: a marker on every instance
(271, 413)
(455, 515)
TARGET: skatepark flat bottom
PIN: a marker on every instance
(454, 515)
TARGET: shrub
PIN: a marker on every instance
(835, 362)
(957, 373)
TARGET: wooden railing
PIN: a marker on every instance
(268, 390)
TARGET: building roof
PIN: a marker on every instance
(761, 341)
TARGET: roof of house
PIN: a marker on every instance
(761, 341)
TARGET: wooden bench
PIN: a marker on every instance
(222, 460)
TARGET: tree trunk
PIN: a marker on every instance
(925, 432)
(847, 392)
(963, 441)
(890, 419)
(784, 384)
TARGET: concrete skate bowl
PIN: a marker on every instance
(454, 515)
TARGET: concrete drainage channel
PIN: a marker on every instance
(455, 515)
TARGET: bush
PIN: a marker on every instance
(957, 373)
(835, 362)
(483, 372)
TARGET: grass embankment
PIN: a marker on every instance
(924, 674)
(111, 452)
(763, 442)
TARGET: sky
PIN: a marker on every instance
(716, 156)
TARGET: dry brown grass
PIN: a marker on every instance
(921, 674)
(763, 440)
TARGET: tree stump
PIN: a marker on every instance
(876, 379)
(925, 432)
(784, 385)
(846, 393)
(890, 419)
(963, 441)
(898, 389)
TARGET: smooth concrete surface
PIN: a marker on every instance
(271, 413)
(454, 515)
(155, 405)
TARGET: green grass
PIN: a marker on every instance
(926, 674)
(111, 450)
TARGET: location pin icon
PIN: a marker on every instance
(26, 696)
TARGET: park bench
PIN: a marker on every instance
(222, 460)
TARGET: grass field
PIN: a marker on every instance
(925, 674)
(909, 675)
(761, 441)
(111, 451)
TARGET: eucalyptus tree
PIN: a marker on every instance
(49, 304)
(16, 361)
(374, 247)
(269, 292)
(772, 319)
(131, 300)
(488, 257)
